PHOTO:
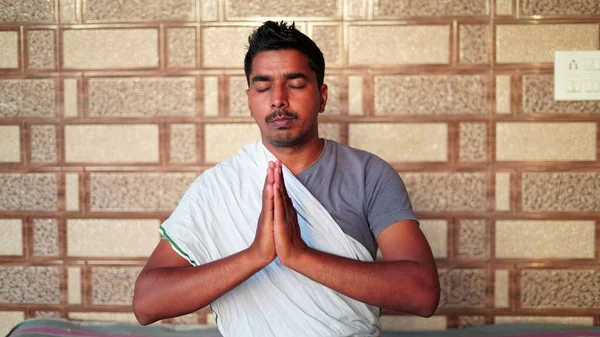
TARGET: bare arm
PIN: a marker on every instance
(169, 286)
(406, 280)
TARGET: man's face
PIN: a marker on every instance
(284, 97)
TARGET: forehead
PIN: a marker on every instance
(273, 62)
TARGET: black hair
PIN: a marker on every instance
(281, 36)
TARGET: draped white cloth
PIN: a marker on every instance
(217, 217)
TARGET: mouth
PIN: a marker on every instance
(281, 119)
(282, 122)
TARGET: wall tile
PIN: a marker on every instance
(113, 285)
(404, 45)
(545, 239)
(503, 7)
(141, 97)
(334, 97)
(43, 143)
(545, 141)
(560, 289)
(549, 7)
(103, 316)
(473, 142)
(402, 142)
(9, 54)
(436, 232)
(28, 192)
(28, 98)
(39, 285)
(70, 97)
(47, 314)
(355, 95)
(412, 323)
(222, 47)
(503, 104)
(589, 321)
(9, 319)
(181, 44)
(111, 237)
(11, 237)
(72, 191)
(473, 43)
(308, 8)
(537, 43)
(446, 192)
(330, 131)
(224, 140)
(210, 11)
(68, 10)
(25, 11)
(74, 285)
(10, 144)
(538, 97)
(137, 192)
(357, 9)
(462, 288)
(40, 49)
(193, 318)
(328, 40)
(140, 10)
(502, 191)
(501, 289)
(110, 48)
(556, 191)
(387, 8)
(238, 101)
(45, 237)
(472, 243)
(470, 321)
(113, 143)
(430, 95)
(211, 96)
(183, 143)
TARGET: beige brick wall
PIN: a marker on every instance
(457, 96)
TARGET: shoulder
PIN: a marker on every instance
(371, 163)
(342, 151)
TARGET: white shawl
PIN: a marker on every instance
(217, 217)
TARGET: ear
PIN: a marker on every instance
(248, 101)
(323, 93)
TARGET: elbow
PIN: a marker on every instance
(142, 317)
(430, 300)
(140, 307)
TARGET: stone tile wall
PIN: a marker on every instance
(110, 109)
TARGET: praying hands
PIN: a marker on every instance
(278, 232)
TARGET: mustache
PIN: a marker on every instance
(280, 113)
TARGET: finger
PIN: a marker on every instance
(282, 182)
(268, 179)
(278, 208)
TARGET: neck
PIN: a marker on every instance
(297, 158)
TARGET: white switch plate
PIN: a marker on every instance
(577, 75)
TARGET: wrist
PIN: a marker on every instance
(254, 258)
(299, 259)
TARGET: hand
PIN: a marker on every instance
(288, 241)
(263, 247)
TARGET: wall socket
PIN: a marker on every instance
(577, 75)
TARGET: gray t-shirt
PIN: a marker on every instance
(362, 192)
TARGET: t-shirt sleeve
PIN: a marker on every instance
(387, 200)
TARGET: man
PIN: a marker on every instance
(280, 239)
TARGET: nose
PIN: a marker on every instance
(279, 97)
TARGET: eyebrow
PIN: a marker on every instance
(265, 78)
